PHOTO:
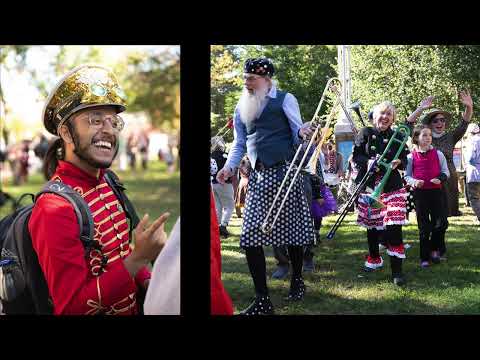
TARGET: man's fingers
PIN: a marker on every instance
(156, 224)
(141, 225)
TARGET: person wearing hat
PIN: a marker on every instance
(82, 110)
(472, 167)
(223, 193)
(445, 141)
(267, 126)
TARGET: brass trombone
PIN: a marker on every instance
(215, 140)
(314, 159)
(372, 200)
(266, 227)
(347, 114)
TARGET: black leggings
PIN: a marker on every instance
(258, 268)
(392, 235)
(432, 211)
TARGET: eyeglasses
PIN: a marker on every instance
(251, 77)
(97, 120)
(437, 120)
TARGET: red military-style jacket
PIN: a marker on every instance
(78, 284)
(221, 303)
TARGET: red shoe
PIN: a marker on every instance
(398, 251)
(372, 263)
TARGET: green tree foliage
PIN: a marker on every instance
(150, 76)
(405, 74)
(20, 53)
(154, 87)
(151, 79)
(302, 70)
(226, 85)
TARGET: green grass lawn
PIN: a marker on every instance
(153, 191)
(339, 286)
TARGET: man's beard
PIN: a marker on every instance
(249, 104)
(81, 150)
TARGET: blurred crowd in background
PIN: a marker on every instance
(137, 147)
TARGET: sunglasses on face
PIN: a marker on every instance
(437, 120)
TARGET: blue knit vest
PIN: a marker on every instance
(273, 140)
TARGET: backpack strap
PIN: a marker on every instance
(114, 182)
(82, 211)
(17, 204)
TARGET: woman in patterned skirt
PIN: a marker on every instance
(387, 221)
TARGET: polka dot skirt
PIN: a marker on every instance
(294, 226)
(410, 202)
(213, 169)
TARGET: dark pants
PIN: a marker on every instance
(467, 195)
(144, 157)
(282, 256)
(451, 191)
(392, 235)
(473, 191)
(431, 209)
(258, 269)
(131, 159)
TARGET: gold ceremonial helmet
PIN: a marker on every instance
(83, 87)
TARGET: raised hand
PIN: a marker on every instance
(465, 98)
(424, 105)
(427, 102)
(149, 241)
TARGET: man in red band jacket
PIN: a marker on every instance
(83, 111)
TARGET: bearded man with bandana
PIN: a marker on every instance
(268, 126)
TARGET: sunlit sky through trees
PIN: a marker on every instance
(23, 97)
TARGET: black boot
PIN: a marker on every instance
(397, 275)
(399, 279)
(223, 231)
(297, 290)
(260, 306)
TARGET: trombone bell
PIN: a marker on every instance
(372, 201)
